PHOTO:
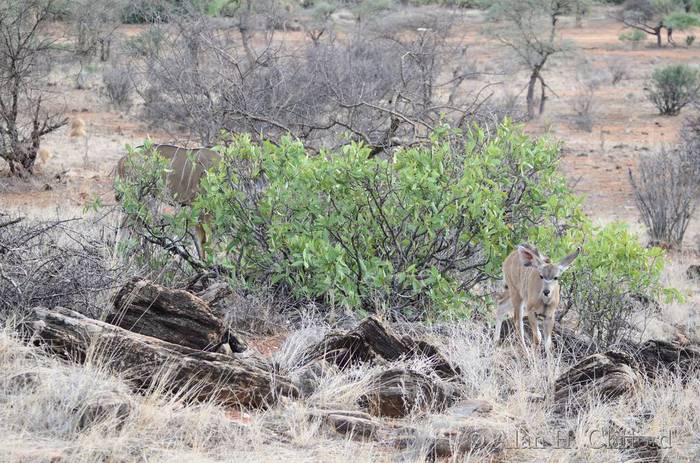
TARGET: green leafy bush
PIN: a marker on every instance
(673, 87)
(414, 234)
(634, 36)
(614, 284)
(680, 20)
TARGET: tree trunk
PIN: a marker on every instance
(150, 362)
(543, 96)
(105, 48)
(531, 94)
(657, 33)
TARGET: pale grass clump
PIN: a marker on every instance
(40, 420)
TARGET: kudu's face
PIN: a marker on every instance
(548, 272)
(549, 275)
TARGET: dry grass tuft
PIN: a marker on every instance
(44, 403)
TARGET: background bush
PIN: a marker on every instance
(118, 86)
(673, 87)
(665, 191)
(614, 285)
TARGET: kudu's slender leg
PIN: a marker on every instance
(548, 328)
(532, 319)
(121, 223)
(199, 241)
(517, 302)
(504, 309)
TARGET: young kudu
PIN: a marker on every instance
(532, 290)
(186, 168)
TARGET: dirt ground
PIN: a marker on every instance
(596, 163)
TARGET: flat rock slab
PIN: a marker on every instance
(467, 408)
(453, 435)
(356, 424)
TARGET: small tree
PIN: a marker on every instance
(581, 8)
(94, 23)
(665, 190)
(23, 118)
(653, 16)
(673, 87)
(530, 29)
(615, 283)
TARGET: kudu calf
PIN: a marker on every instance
(532, 290)
(186, 168)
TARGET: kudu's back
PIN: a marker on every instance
(186, 167)
(524, 280)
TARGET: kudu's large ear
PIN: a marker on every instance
(529, 256)
(566, 261)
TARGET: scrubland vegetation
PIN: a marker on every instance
(363, 169)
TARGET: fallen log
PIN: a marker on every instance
(658, 357)
(147, 361)
(172, 315)
(371, 341)
(397, 392)
(597, 377)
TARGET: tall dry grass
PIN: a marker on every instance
(43, 404)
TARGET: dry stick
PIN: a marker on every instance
(11, 222)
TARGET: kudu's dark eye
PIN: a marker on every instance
(556, 278)
(541, 277)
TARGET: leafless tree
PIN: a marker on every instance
(118, 85)
(23, 117)
(665, 189)
(530, 28)
(581, 8)
(653, 16)
(583, 103)
(382, 85)
(57, 262)
(618, 70)
(94, 23)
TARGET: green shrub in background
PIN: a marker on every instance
(672, 87)
(413, 235)
(614, 286)
(146, 11)
(634, 36)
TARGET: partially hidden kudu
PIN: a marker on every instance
(186, 168)
(532, 290)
